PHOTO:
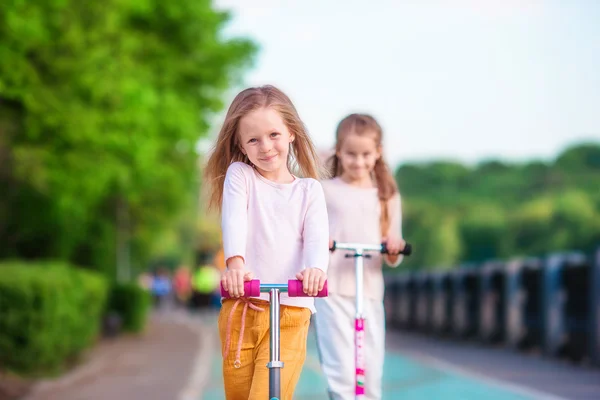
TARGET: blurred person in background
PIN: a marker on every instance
(161, 287)
(182, 285)
(145, 280)
(373, 216)
(219, 262)
(205, 282)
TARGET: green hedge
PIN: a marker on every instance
(132, 303)
(49, 313)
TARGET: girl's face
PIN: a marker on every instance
(358, 155)
(265, 139)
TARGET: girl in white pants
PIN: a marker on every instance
(363, 205)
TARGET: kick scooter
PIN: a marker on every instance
(359, 251)
(293, 288)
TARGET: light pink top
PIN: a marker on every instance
(279, 229)
(354, 214)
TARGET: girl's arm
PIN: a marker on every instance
(234, 217)
(395, 229)
(316, 230)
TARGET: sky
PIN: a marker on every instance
(463, 80)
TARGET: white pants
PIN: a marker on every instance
(334, 326)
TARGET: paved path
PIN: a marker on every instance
(179, 359)
(420, 368)
(159, 365)
(527, 373)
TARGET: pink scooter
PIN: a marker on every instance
(359, 251)
(293, 288)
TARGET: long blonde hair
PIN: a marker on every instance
(302, 159)
(364, 124)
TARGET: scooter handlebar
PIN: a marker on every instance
(251, 289)
(406, 251)
(294, 289)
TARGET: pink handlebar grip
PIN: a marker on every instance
(251, 289)
(295, 289)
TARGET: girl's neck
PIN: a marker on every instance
(365, 182)
(282, 175)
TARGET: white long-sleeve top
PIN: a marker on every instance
(354, 216)
(278, 229)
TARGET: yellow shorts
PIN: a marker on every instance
(245, 357)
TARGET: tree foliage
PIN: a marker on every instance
(101, 104)
(456, 213)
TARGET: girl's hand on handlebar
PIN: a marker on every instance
(233, 279)
(394, 245)
(313, 280)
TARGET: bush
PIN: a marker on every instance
(49, 313)
(132, 303)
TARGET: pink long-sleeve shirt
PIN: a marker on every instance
(278, 229)
(354, 215)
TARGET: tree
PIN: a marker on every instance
(484, 233)
(435, 235)
(580, 158)
(575, 222)
(501, 209)
(104, 102)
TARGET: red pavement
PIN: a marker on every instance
(156, 366)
